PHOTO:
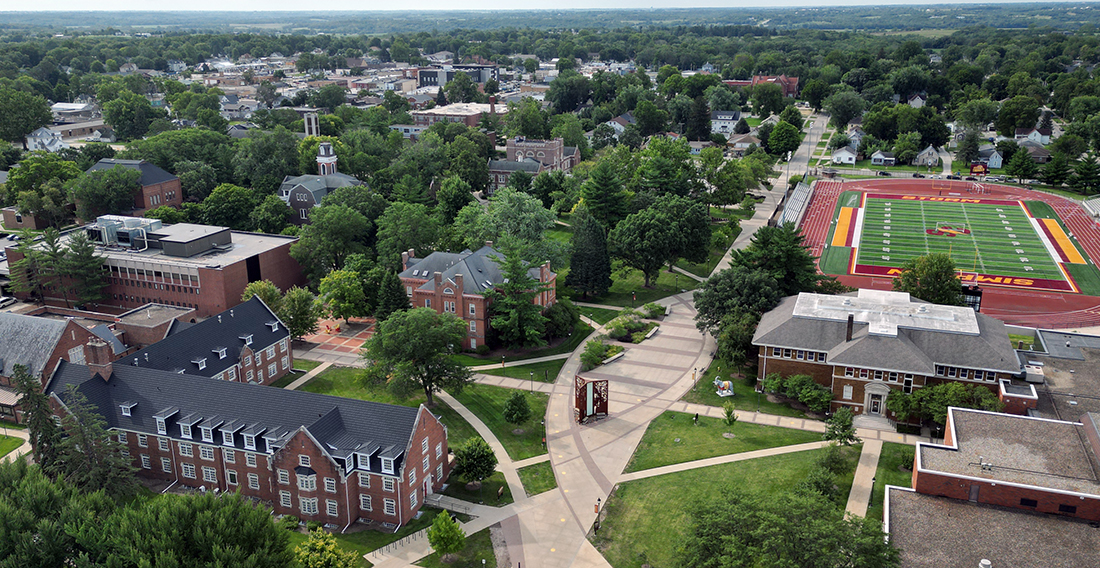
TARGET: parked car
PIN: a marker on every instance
(918, 175)
(937, 177)
(883, 173)
(6, 301)
(971, 178)
(953, 177)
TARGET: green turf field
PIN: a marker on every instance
(980, 237)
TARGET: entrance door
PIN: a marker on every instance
(590, 398)
(876, 404)
(428, 485)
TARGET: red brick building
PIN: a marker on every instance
(456, 282)
(158, 187)
(321, 458)
(864, 346)
(532, 156)
(467, 113)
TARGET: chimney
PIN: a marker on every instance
(489, 244)
(438, 282)
(492, 105)
(404, 261)
(851, 323)
(98, 357)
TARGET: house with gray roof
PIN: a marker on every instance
(302, 193)
(322, 458)
(864, 346)
(158, 187)
(456, 283)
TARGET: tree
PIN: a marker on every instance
(691, 223)
(83, 269)
(931, 278)
(729, 414)
(20, 114)
(604, 196)
(264, 158)
(89, 457)
(516, 409)
(645, 241)
(130, 115)
(229, 206)
(197, 179)
(453, 195)
(930, 403)
(784, 138)
(976, 114)
(343, 294)
(843, 107)
(1057, 171)
(475, 460)
(300, 312)
(514, 315)
(590, 263)
(815, 92)
(736, 289)
(413, 349)
(742, 126)
(780, 252)
(792, 116)
(649, 118)
(391, 296)
(466, 162)
(1021, 166)
(43, 433)
(1018, 112)
(405, 226)
(446, 536)
(271, 216)
(335, 232)
(271, 296)
(461, 89)
(767, 99)
(329, 97)
(1086, 176)
(967, 151)
(106, 192)
(737, 529)
(839, 428)
(321, 550)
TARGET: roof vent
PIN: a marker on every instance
(985, 564)
(219, 318)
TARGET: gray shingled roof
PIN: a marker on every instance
(341, 425)
(911, 351)
(319, 186)
(27, 340)
(479, 272)
(526, 165)
(103, 332)
(150, 174)
(186, 344)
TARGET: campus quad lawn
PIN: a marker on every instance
(545, 372)
(580, 332)
(487, 494)
(893, 456)
(704, 440)
(306, 365)
(346, 382)
(479, 548)
(703, 270)
(301, 367)
(538, 478)
(8, 444)
(630, 280)
(745, 398)
(640, 526)
(598, 315)
(487, 402)
(363, 542)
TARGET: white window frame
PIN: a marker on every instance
(146, 463)
(253, 481)
(364, 479)
(330, 485)
(231, 476)
(284, 499)
(426, 464)
(207, 433)
(387, 484)
(250, 460)
(439, 449)
(473, 309)
(123, 438)
(206, 453)
(166, 465)
(188, 470)
(303, 460)
(162, 428)
(283, 476)
(387, 465)
(307, 505)
(186, 450)
(332, 508)
(412, 499)
(143, 441)
(230, 456)
(272, 369)
(847, 392)
(412, 476)
(365, 502)
(185, 431)
(390, 507)
(307, 482)
(249, 442)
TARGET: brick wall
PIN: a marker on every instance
(166, 193)
(994, 493)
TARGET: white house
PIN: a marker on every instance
(845, 155)
(724, 121)
(880, 158)
(988, 155)
(1038, 135)
(855, 137)
(45, 139)
(927, 157)
(916, 101)
(740, 143)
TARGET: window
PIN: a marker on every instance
(284, 498)
(387, 484)
(941, 370)
(249, 376)
(863, 373)
(979, 375)
(284, 477)
(473, 327)
(189, 470)
(951, 371)
(76, 355)
(800, 355)
(412, 476)
(282, 345)
(249, 440)
(878, 375)
(786, 353)
(185, 450)
(227, 438)
(387, 465)
(285, 362)
(207, 433)
(230, 456)
(473, 309)
(847, 392)
(439, 472)
(412, 499)
(271, 352)
(473, 343)
(232, 373)
(408, 291)
(250, 460)
(964, 374)
(308, 506)
(1025, 502)
(125, 453)
(185, 431)
(123, 438)
(821, 357)
(303, 460)
(166, 465)
(427, 302)
(439, 449)
(849, 372)
(206, 453)
(332, 508)
(330, 485)
(146, 463)
(893, 377)
(125, 410)
(247, 360)
(907, 384)
(253, 481)
(364, 502)
(143, 441)
(231, 477)
(307, 482)
(390, 506)
(364, 480)
(272, 369)
(426, 466)
(1071, 509)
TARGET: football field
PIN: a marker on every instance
(992, 241)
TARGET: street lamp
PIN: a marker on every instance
(871, 499)
(532, 381)
(597, 505)
(633, 298)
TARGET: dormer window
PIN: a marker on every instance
(249, 442)
(274, 325)
(207, 433)
(227, 438)
(126, 406)
(200, 362)
(162, 428)
(387, 465)
(220, 352)
(363, 459)
(247, 339)
(185, 431)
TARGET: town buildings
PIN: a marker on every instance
(467, 113)
(455, 283)
(531, 156)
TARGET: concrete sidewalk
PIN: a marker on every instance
(860, 496)
(519, 362)
(308, 376)
(24, 448)
(729, 458)
(600, 306)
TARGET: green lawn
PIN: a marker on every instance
(301, 367)
(598, 315)
(659, 445)
(8, 444)
(538, 478)
(745, 397)
(479, 548)
(345, 382)
(866, 164)
(703, 270)
(629, 281)
(889, 473)
(560, 233)
(545, 372)
(580, 333)
(363, 542)
(646, 520)
(753, 121)
(1029, 341)
(306, 364)
(487, 402)
(487, 494)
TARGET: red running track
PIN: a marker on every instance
(1011, 305)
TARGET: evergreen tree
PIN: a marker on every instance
(84, 268)
(53, 261)
(28, 274)
(742, 126)
(391, 297)
(1056, 172)
(968, 148)
(89, 457)
(45, 438)
(1086, 176)
(440, 98)
(516, 409)
(698, 123)
(515, 316)
(1021, 166)
(604, 196)
(590, 264)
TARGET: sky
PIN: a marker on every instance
(403, 5)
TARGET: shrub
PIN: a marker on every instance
(616, 329)
(314, 525)
(820, 481)
(595, 351)
(482, 349)
(833, 460)
(637, 337)
(289, 522)
(909, 455)
(653, 310)
(816, 398)
(772, 383)
(562, 317)
(613, 350)
(516, 409)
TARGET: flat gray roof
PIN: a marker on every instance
(1016, 449)
(885, 312)
(935, 532)
(1072, 385)
(186, 232)
(152, 315)
(244, 245)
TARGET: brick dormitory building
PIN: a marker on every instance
(866, 345)
(322, 458)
